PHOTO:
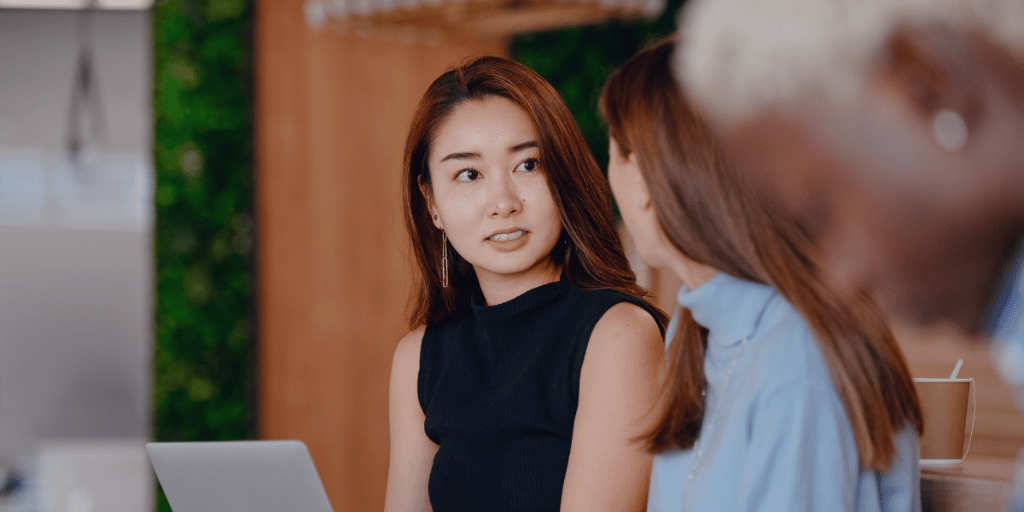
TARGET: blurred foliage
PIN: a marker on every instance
(203, 382)
(577, 61)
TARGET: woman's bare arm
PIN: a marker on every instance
(412, 452)
(608, 468)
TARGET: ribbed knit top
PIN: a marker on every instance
(499, 388)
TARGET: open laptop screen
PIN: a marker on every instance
(229, 476)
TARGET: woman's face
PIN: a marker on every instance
(634, 200)
(488, 191)
(631, 194)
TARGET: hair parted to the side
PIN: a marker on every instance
(713, 217)
(589, 253)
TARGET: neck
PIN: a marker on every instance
(498, 288)
(665, 256)
(691, 273)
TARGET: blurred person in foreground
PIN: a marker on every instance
(892, 131)
(779, 396)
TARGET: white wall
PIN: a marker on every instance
(75, 291)
(38, 53)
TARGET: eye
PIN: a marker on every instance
(528, 165)
(467, 175)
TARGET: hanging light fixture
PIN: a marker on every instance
(87, 124)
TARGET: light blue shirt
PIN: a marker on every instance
(776, 437)
(1007, 321)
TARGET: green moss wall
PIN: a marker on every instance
(203, 383)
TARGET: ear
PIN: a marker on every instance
(428, 196)
(643, 194)
(931, 67)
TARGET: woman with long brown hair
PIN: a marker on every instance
(533, 358)
(779, 395)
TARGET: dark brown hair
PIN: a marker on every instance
(712, 216)
(589, 252)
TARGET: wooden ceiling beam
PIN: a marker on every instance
(492, 19)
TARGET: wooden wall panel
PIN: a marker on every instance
(333, 109)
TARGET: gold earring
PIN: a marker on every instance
(444, 260)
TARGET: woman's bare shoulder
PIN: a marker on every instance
(408, 350)
(626, 317)
(405, 369)
(626, 330)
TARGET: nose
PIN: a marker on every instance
(505, 199)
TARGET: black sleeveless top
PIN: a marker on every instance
(499, 388)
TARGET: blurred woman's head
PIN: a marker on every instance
(496, 162)
(889, 129)
(712, 215)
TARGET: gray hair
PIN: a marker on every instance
(739, 56)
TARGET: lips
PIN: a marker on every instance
(506, 236)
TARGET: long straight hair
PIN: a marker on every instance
(713, 216)
(589, 251)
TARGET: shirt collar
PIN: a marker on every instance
(728, 307)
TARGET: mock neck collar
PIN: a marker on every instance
(520, 306)
(728, 307)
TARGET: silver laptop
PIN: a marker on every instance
(230, 476)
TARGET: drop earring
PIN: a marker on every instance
(444, 260)
(949, 129)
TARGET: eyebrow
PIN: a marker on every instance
(519, 147)
(470, 155)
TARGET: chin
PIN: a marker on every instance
(516, 266)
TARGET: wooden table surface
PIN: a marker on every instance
(978, 484)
